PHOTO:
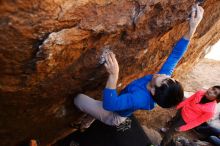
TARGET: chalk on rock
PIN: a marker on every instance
(105, 51)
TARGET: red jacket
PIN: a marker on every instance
(194, 113)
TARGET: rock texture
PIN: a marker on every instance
(204, 75)
(50, 50)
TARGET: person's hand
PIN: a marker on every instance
(112, 68)
(196, 17)
(111, 64)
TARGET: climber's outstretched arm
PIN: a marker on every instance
(181, 46)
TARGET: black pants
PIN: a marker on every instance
(207, 130)
(211, 133)
(174, 123)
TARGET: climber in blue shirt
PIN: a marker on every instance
(143, 93)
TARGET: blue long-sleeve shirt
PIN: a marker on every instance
(135, 95)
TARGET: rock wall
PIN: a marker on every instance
(50, 51)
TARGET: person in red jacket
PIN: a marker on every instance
(193, 111)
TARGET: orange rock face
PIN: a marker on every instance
(50, 51)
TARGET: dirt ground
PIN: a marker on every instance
(204, 75)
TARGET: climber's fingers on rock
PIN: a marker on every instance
(193, 14)
(114, 60)
(197, 14)
(106, 65)
(108, 60)
(200, 11)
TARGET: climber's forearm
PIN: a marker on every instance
(189, 34)
(112, 81)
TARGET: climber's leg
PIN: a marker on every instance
(95, 109)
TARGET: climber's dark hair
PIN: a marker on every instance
(169, 95)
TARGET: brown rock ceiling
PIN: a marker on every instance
(49, 52)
